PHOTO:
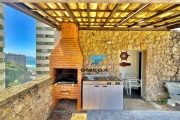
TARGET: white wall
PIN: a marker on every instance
(57, 36)
(134, 60)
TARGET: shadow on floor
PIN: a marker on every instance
(66, 110)
(135, 94)
(63, 110)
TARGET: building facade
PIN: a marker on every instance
(2, 65)
(44, 47)
(20, 59)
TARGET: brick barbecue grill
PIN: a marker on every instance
(67, 58)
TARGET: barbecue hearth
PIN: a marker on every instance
(65, 76)
(66, 61)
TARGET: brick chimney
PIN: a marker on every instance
(67, 55)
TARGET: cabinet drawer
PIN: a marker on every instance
(60, 91)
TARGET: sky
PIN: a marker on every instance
(20, 33)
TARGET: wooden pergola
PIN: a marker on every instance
(103, 15)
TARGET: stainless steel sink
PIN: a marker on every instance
(92, 78)
(99, 75)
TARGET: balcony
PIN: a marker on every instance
(34, 100)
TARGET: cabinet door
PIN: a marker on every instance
(91, 97)
(112, 97)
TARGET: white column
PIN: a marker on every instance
(2, 66)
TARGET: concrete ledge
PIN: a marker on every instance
(27, 101)
(5, 96)
(132, 115)
(174, 92)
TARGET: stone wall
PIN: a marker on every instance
(30, 101)
(174, 61)
(160, 51)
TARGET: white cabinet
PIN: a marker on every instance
(103, 97)
(91, 97)
(112, 97)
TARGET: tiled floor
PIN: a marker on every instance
(139, 104)
(66, 109)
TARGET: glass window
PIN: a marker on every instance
(44, 36)
(44, 50)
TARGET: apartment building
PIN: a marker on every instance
(2, 65)
(20, 59)
(44, 47)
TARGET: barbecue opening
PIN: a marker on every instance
(65, 76)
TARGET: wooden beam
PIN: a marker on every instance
(84, 10)
(26, 11)
(175, 22)
(98, 22)
(139, 10)
(43, 11)
(70, 13)
(174, 26)
(162, 20)
(123, 29)
(100, 1)
(112, 12)
(159, 13)
(88, 11)
(103, 17)
(63, 17)
(92, 17)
